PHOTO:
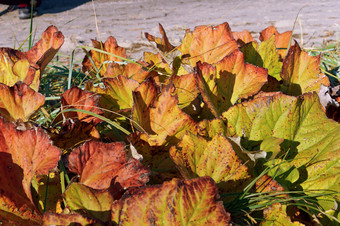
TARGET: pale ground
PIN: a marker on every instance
(318, 21)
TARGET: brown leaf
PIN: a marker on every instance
(99, 163)
(31, 150)
(76, 98)
(242, 37)
(163, 43)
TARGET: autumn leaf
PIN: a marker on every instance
(185, 88)
(137, 71)
(197, 157)
(15, 67)
(281, 40)
(51, 218)
(314, 148)
(162, 120)
(227, 82)
(16, 207)
(31, 150)
(242, 37)
(19, 102)
(263, 55)
(96, 203)
(163, 43)
(173, 203)
(301, 72)
(276, 215)
(72, 134)
(45, 49)
(101, 60)
(208, 44)
(98, 164)
(117, 94)
(76, 98)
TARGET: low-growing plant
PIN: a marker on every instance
(222, 129)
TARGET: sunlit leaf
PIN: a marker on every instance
(15, 67)
(19, 102)
(163, 43)
(45, 49)
(301, 72)
(102, 60)
(242, 37)
(31, 150)
(227, 82)
(68, 219)
(96, 203)
(196, 157)
(98, 164)
(136, 71)
(264, 55)
(173, 203)
(117, 94)
(276, 215)
(208, 44)
(281, 40)
(314, 150)
(162, 119)
(80, 99)
(186, 89)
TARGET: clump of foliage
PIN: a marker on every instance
(221, 129)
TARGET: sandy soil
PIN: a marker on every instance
(318, 21)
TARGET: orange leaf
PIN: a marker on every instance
(19, 102)
(16, 207)
(162, 44)
(301, 72)
(208, 44)
(99, 163)
(242, 37)
(176, 202)
(80, 99)
(227, 82)
(109, 46)
(163, 120)
(281, 40)
(45, 49)
(31, 150)
(131, 70)
(197, 157)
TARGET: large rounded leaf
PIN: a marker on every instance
(76, 98)
(228, 81)
(314, 139)
(196, 156)
(189, 202)
(45, 49)
(301, 72)
(101, 60)
(19, 102)
(208, 44)
(281, 40)
(162, 120)
(31, 150)
(99, 163)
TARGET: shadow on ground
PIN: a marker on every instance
(57, 6)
